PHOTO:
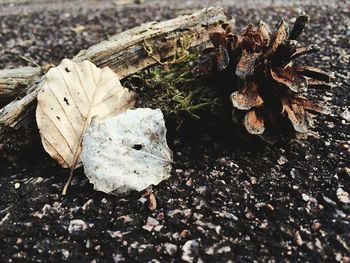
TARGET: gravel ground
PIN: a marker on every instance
(226, 201)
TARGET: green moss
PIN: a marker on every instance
(174, 89)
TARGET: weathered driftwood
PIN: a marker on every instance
(14, 81)
(126, 53)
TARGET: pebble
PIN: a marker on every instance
(305, 197)
(87, 204)
(343, 196)
(223, 250)
(185, 233)
(190, 251)
(65, 253)
(17, 185)
(151, 223)
(346, 115)
(170, 248)
(76, 226)
(44, 211)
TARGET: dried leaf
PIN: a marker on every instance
(72, 94)
(246, 65)
(127, 152)
(296, 115)
(248, 98)
(289, 77)
(254, 123)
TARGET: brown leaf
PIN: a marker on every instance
(296, 115)
(289, 77)
(254, 123)
(247, 98)
(246, 65)
(74, 93)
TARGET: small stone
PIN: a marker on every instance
(151, 223)
(223, 250)
(152, 202)
(346, 115)
(185, 233)
(282, 160)
(201, 189)
(305, 197)
(87, 204)
(44, 211)
(190, 251)
(298, 239)
(329, 201)
(17, 185)
(269, 206)
(170, 248)
(189, 182)
(343, 196)
(118, 258)
(338, 257)
(171, 213)
(158, 228)
(316, 226)
(125, 219)
(76, 226)
(65, 253)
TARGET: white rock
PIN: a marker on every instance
(225, 249)
(65, 253)
(76, 226)
(305, 197)
(190, 251)
(127, 152)
(346, 115)
(343, 196)
(170, 248)
(87, 204)
(118, 258)
(151, 223)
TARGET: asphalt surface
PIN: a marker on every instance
(227, 200)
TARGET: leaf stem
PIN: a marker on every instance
(65, 188)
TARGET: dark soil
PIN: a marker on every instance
(227, 200)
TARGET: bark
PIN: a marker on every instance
(126, 53)
(14, 81)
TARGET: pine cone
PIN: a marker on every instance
(269, 87)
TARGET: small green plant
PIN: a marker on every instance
(174, 89)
